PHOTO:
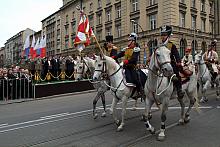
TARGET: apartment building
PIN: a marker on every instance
(2, 57)
(15, 45)
(193, 21)
(51, 29)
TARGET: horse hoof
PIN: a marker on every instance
(110, 112)
(118, 122)
(103, 114)
(160, 138)
(95, 116)
(150, 116)
(119, 129)
(186, 120)
(181, 123)
(152, 131)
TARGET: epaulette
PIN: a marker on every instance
(169, 45)
(137, 49)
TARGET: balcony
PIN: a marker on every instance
(203, 14)
(135, 13)
(193, 10)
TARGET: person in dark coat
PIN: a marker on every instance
(166, 32)
(111, 50)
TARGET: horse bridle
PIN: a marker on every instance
(104, 74)
(158, 63)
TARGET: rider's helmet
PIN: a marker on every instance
(166, 30)
(133, 37)
(109, 38)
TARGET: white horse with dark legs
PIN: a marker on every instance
(107, 65)
(159, 89)
(204, 76)
(84, 66)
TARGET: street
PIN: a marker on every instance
(67, 121)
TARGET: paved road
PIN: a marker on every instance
(67, 121)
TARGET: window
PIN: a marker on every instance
(203, 5)
(91, 20)
(134, 5)
(182, 48)
(118, 29)
(108, 31)
(91, 7)
(67, 30)
(135, 26)
(74, 27)
(99, 19)
(182, 1)
(67, 18)
(99, 3)
(193, 22)
(66, 43)
(108, 15)
(182, 19)
(73, 15)
(203, 25)
(211, 27)
(193, 3)
(108, 1)
(211, 8)
(118, 11)
(152, 22)
(152, 2)
(99, 35)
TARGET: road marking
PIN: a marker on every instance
(55, 115)
(3, 125)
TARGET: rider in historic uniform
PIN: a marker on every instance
(131, 55)
(211, 57)
(166, 32)
(187, 59)
(111, 50)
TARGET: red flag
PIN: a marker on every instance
(84, 33)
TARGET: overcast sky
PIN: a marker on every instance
(17, 15)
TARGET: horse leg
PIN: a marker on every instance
(161, 135)
(98, 95)
(148, 105)
(113, 107)
(191, 103)
(103, 103)
(204, 89)
(123, 113)
(135, 105)
(181, 121)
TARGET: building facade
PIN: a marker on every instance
(15, 45)
(51, 29)
(217, 24)
(36, 36)
(2, 57)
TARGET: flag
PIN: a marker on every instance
(36, 48)
(84, 33)
(43, 47)
(32, 47)
(26, 49)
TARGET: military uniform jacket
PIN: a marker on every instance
(187, 59)
(130, 54)
(211, 55)
(174, 56)
(112, 52)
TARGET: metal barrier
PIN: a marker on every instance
(15, 89)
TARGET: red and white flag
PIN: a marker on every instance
(32, 47)
(84, 33)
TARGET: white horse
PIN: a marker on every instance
(87, 65)
(159, 89)
(106, 65)
(204, 76)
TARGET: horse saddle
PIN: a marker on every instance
(185, 74)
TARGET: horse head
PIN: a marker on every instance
(199, 58)
(81, 67)
(160, 61)
(104, 66)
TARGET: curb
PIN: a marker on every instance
(43, 98)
